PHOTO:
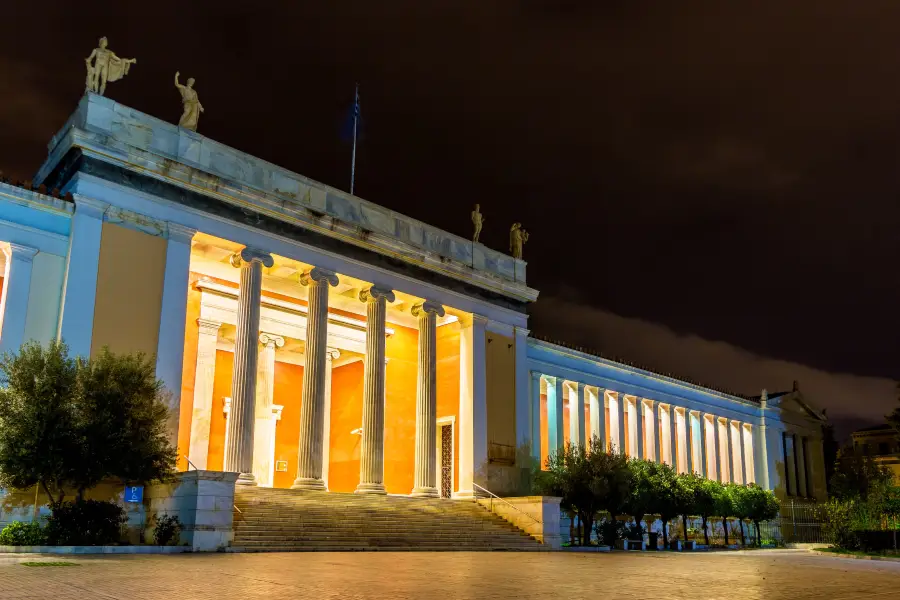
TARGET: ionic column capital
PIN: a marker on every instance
(250, 255)
(374, 293)
(536, 376)
(271, 340)
(332, 354)
(319, 276)
(427, 307)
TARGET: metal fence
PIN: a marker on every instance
(798, 523)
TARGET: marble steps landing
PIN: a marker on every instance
(276, 520)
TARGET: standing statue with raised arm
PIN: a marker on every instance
(478, 221)
(106, 67)
(192, 106)
(517, 238)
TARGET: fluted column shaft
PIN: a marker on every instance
(371, 463)
(425, 480)
(264, 429)
(536, 415)
(312, 408)
(241, 417)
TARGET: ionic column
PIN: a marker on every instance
(702, 429)
(654, 415)
(264, 428)
(242, 414)
(688, 442)
(14, 300)
(555, 429)
(536, 415)
(331, 355)
(371, 464)
(673, 437)
(637, 429)
(745, 477)
(312, 408)
(717, 448)
(598, 416)
(729, 453)
(576, 414)
(425, 478)
(204, 379)
(620, 416)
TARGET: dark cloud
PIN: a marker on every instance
(850, 400)
(727, 169)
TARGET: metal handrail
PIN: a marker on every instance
(493, 495)
(196, 469)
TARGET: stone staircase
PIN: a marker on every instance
(278, 520)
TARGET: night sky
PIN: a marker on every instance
(711, 187)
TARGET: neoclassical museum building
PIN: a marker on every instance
(310, 339)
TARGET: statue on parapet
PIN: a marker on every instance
(517, 238)
(478, 221)
(106, 67)
(192, 107)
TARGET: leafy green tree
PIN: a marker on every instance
(665, 498)
(587, 481)
(122, 420)
(706, 493)
(858, 476)
(740, 498)
(643, 495)
(38, 436)
(686, 498)
(761, 505)
(70, 423)
(724, 506)
(893, 418)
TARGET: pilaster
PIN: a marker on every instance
(204, 379)
(76, 318)
(14, 299)
(536, 415)
(173, 315)
(472, 405)
(264, 427)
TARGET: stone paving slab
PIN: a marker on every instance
(770, 575)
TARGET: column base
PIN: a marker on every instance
(464, 495)
(309, 483)
(371, 488)
(424, 492)
(248, 479)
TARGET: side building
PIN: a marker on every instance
(314, 340)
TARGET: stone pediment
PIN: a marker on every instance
(795, 402)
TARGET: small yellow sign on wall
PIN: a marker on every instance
(281, 466)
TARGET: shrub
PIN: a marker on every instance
(85, 523)
(609, 530)
(166, 530)
(18, 533)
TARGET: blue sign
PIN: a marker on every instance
(134, 493)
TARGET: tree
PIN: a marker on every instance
(740, 502)
(762, 505)
(38, 438)
(893, 418)
(122, 420)
(857, 476)
(686, 497)
(643, 493)
(724, 506)
(70, 423)
(587, 482)
(706, 491)
(665, 497)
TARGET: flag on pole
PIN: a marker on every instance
(355, 132)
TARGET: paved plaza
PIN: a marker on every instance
(735, 576)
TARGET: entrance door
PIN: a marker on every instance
(446, 458)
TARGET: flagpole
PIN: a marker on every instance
(355, 122)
